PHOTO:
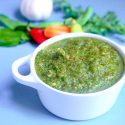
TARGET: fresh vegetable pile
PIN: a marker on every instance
(13, 32)
(90, 21)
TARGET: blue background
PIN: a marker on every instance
(20, 104)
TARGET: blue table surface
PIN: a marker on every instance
(20, 104)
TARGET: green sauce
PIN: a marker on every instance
(79, 65)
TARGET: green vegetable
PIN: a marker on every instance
(12, 24)
(76, 27)
(73, 24)
(9, 37)
(83, 18)
(46, 24)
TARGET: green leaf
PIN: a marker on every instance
(67, 9)
(85, 17)
(12, 24)
(10, 37)
(21, 28)
(68, 21)
(24, 37)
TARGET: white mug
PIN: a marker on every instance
(69, 105)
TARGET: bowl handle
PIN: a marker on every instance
(27, 80)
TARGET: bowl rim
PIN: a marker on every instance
(73, 35)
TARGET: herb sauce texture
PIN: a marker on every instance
(79, 65)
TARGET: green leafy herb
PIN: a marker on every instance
(9, 37)
(67, 9)
(83, 18)
(12, 24)
(90, 21)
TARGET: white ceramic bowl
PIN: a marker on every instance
(69, 105)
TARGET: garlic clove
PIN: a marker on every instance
(36, 10)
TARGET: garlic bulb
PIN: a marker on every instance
(36, 10)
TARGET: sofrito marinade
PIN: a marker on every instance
(79, 65)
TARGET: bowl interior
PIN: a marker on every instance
(73, 35)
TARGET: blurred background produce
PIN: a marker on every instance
(76, 19)
(36, 10)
